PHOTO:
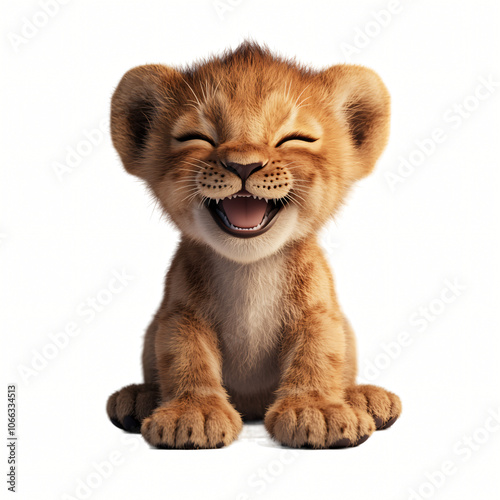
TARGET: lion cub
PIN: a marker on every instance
(249, 156)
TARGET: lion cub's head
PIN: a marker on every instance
(248, 152)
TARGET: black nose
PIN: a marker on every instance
(243, 171)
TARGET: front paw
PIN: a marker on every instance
(318, 423)
(208, 422)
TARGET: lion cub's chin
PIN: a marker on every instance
(245, 250)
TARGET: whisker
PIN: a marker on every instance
(288, 86)
(299, 180)
(190, 190)
(215, 90)
(301, 104)
(190, 197)
(187, 169)
(193, 177)
(203, 199)
(189, 163)
(297, 201)
(297, 100)
(304, 187)
(288, 164)
(191, 89)
(202, 161)
(198, 167)
(203, 92)
(184, 169)
(187, 181)
(297, 191)
(292, 198)
(304, 100)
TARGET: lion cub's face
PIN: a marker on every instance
(248, 152)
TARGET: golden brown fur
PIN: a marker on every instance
(250, 326)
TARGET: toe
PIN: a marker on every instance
(117, 423)
(388, 424)
(131, 424)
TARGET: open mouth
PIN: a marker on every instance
(243, 214)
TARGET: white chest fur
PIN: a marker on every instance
(250, 313)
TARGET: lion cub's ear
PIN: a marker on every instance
(140, 98)
(362, 102)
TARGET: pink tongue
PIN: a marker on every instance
(244, 212)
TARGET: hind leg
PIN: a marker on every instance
(382, 405)
(129, 406)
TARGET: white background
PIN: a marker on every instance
(392, 250)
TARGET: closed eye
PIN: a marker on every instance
(295, 137)
(194, 136)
